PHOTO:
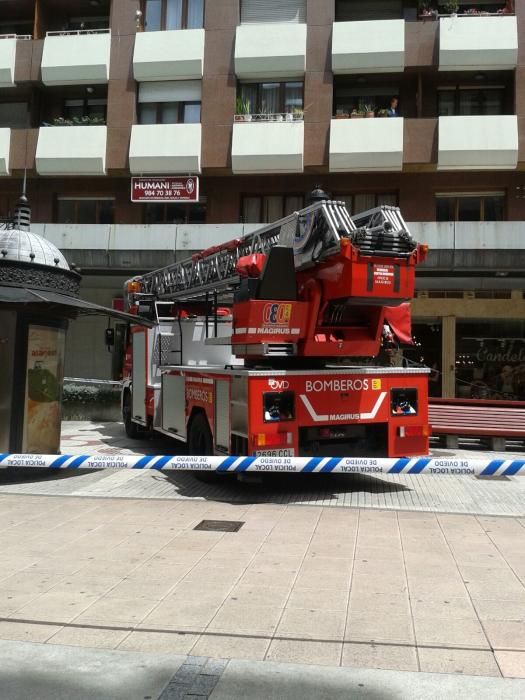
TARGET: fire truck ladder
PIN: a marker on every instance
(313, 232)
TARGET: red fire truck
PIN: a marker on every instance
(269, 344)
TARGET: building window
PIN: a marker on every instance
(267, 11)
(271, 98)
(170, 113)
(14, 115)
(259, 209)
(454, 101)
(175, 213)
(85, 210)
(363, 92)
(358, 203)
(169, 102)
(161, 15)
(352, 10)
(93, 108)
(470, 207)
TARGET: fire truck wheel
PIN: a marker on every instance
(132, 429)
(200, 441)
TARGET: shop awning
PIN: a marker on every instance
(23, 296)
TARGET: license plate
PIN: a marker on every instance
(284, 452)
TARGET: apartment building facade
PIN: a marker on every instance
(262, 100)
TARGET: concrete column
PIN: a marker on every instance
(448, 349)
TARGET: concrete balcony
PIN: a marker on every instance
(76, 58)
(7, 60)
(361, 145)
(478, 143)
(165, 148)
(171, 55)
(268, 147)
(270, 51)
(71, 150)
(478, 43)
(5, 149)
(377, 46)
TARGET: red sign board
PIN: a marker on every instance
(165, 189)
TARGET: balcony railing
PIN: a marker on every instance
(78, 32)
(277, 117)
(24, 37)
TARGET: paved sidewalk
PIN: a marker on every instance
(61, 673)
(331, 586)
(439, 494)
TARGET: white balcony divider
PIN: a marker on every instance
(478, 143)
(170, 55)
(268, 147)
(478, 43)
(71, 150)
(360, 145)
(7, 60)
(165, 148)
(270, 51)
(76, 58)
(375, 46)
(5, 148)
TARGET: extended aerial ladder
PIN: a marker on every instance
(251, 337)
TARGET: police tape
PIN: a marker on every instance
(305, 465)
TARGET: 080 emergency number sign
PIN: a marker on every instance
(165, 189)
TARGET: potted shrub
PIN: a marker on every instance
(451, 7)
(382, 113)
(356, 114)
(242, 110)
(298, 113)
(369, 111)
(425, 10)
(341, 114)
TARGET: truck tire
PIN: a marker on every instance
(131, 428)
(200, 441)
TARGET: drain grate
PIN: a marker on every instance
(220, 525)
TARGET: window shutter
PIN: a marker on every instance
(267, 11)
(171, 91)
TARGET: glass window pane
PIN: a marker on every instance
(292, 203)
(389, 198)
(192, 114)
(364, 202)
(446, 103)
(251, 210)
(445, 208)
(195, 14)
(173, 14)
(272, 208)
(270, 98)
(169, 113)
(86, 211)
(152, 16)
(106, 211)
(492, 102)
(248, 94)
(176, 213)
(154, 213)
(148, 113)
(293, 96)
(493, 208)
(66, 211)
(469, 102)
(197, 213)
(469, 209)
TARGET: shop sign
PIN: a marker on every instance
(165, 189)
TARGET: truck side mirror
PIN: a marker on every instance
(109, 337)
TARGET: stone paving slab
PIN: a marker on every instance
(439, 494)
(426, 592)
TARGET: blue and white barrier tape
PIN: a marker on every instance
(323, 465)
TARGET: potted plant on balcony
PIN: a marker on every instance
(242, 110)
(382, 113)
(298, 114)
(341, 114)
(451, 7)
(356, 114)
(426, 10)
(369, 111)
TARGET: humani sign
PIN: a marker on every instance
(165, 189)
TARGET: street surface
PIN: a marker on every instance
(405, 574)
